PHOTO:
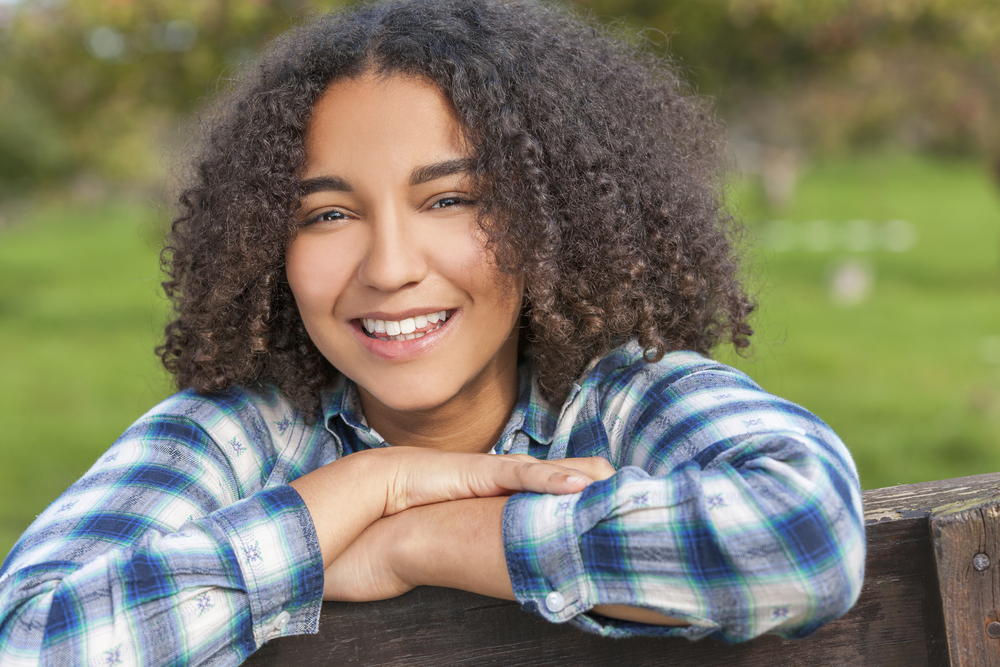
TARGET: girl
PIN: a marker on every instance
(444, 277)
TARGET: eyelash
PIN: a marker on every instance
(321, 217)
(459, 201)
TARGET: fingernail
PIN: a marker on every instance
(575, 480)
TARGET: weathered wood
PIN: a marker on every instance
(897, 620)
(966, 540)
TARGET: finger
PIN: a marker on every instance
(543, 477)
(594, 467)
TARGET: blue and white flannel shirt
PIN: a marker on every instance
(732, 509)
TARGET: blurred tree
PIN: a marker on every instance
(97, 85)
(836, 74)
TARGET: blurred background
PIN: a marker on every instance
(865, 137)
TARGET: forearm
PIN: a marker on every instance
(456, 544)
(358, 482)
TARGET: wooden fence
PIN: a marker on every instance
(931, 597)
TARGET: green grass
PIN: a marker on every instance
(910, 377)
(79, 316)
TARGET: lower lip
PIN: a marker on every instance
(404, 350)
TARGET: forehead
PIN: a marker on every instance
(381, 122)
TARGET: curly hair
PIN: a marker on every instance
(600, 184)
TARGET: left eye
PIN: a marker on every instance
(447, 202)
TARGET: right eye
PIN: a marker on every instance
(325, 216)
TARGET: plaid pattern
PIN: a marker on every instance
(183, 544)
(734, 510)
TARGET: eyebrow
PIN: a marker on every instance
(419, 176)
(324, 184)
(440, 170)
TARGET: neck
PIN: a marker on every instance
(471, 421)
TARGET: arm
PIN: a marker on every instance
(153, 556)
(737, 513)
(732, 509)
(171, 549)
(456, 544)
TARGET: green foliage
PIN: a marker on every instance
(833, 74)
(95, 85)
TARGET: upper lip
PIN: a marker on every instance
(401, 315)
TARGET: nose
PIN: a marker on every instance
(394, 259)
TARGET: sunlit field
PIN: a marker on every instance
(79, 316)
(880, 311)
(879, 292)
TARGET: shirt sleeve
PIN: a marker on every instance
(732, 509)
(157, 557)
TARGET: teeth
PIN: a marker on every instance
(404, 329)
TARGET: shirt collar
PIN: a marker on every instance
(532, 413)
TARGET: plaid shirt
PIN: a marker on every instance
(732, 509)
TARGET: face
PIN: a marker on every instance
(388, 267)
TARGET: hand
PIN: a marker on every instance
(365, 570)
(594, 467)
(422, 477)
(382, 482)
(457, 544)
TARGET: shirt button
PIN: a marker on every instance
(281, 620)
(555, 602)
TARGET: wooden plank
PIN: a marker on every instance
(897, 620)
(966, 538)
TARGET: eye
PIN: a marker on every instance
(451, 201)
(332, 215)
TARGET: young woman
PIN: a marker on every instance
(445, 276)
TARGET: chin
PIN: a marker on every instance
(415, 400)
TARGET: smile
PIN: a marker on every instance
(408, 329)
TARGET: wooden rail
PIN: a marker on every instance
(931, 597)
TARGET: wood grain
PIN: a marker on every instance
(898, 619)
(966, 540)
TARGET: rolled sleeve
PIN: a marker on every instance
(765, 545)
(275, 545)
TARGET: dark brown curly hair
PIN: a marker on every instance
(600, 185)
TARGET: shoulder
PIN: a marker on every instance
(247, 438)
(258, 415)
(624, 372)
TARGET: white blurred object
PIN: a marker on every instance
(898, 236)
(851, 282)
(780, 170)
(105, 43)
(859, 236)
(780, 235)
(989, 349)
(817, 236)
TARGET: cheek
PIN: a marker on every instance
(314, 277)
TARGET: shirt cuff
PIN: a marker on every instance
(543, 556)
(275, 545)
(548, 574)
